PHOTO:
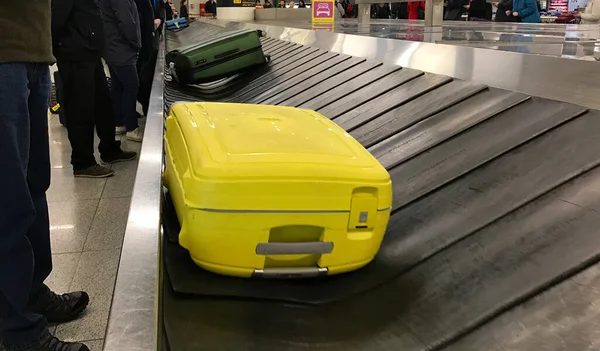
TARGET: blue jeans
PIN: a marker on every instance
(25, 257)
(124, 90)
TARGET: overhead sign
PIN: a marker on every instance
(323, 11)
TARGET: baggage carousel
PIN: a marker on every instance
(493, 243)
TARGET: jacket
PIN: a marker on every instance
(479, 9)
(77, 30)
(25, 31)
(528, 11)
(455, 9)
(149, 38)
(168, 12)
(416, 10)
(159, 14)
(591, 13)
(122, 31)
(183, 12)
(503, 6)
(211, 7)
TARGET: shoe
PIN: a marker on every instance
(95, 171)
(135, 135)
(60, 308)
(50, 343)
(120, 130)
(121, 156)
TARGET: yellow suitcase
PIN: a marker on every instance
(270, 191)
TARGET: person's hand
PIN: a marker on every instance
(156, 23)
(578, 14)
(507, 12)
(516, 14)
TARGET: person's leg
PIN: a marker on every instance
(17, 326)
(42, 300)
(116, 94)
(110, 149)
(78, 83)
(146, 77)
(103, 112)
(128, 78)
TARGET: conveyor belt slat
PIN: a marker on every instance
(352, 85)
(408, 91)
(415, 111)
(290, 64)
(444, 125)
(326, 86)
(369, 92)
(293, 78)
(472, 148)
(308, 83)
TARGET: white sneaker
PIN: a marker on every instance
(135, 135)
(120, 130)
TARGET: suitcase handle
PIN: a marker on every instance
(287, 273)
(306, 248)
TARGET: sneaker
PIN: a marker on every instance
(122, 156)
(120, 130)
(49, 343)
(95, 171)
(135, 135)
(60, 308)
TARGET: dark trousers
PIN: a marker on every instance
(146, 64)
(124, 90)
(87, 104)
(25, 258)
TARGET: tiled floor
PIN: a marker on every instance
(87, 219)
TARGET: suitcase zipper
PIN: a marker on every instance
(225, 59)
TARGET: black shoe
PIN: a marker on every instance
(95, 171)
(49, 343)
(121, 156)
(60, 308)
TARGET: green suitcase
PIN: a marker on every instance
(217, 58)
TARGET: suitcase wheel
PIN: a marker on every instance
(268, 58)
(260, 33)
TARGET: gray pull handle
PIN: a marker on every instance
(306, 248)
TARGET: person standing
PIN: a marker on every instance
(504, 11)
(170, 12)
(591, 14)
(416, 10)
(183, 10)
(210, 7)
(123, 43)
(149, 52)
(26, 303)
(78, 43)
(527, 11)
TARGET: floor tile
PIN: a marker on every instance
(65, 187)
(63, 272)
(121, 184)
(108, 227)
(95, 274)
(70, 223)
(95, 345)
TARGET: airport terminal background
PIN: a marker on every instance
(89, 216)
